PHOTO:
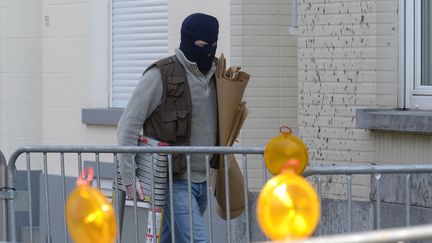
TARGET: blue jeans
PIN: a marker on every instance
(181, 213)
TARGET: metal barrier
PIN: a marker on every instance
(375, 170)
(115, 150)
(423, 232)
(4, 195)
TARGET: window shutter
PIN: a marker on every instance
(139, 37)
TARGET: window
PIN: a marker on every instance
(139, 36)
(416, 41)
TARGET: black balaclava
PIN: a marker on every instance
(199, 26)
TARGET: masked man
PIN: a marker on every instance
(175, 102)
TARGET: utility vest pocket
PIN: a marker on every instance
(175, 124)
(175, 86)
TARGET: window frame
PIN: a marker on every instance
(415, 95)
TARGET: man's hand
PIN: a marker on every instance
(139, 191)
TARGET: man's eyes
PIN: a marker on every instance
(201, 43)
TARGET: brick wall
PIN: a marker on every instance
(347, 60)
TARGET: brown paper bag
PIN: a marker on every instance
(236, 188)
(230, 85)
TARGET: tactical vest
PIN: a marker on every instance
(170, 122)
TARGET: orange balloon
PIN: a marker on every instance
(288, 208)
(90, 216)
(283, 148)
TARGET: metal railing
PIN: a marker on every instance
(115, 150)
(376, 171)
(3, 197)
(422, 232)
(348, 171)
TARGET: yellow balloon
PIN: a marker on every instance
(285, 147)
(90, 216)
(288, 208)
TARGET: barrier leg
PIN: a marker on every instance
(121, 208)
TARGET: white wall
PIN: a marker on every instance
(403, 148)
(262, 46)
(20, 74)
(75, 70)
(75, 73)
(387, 53)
